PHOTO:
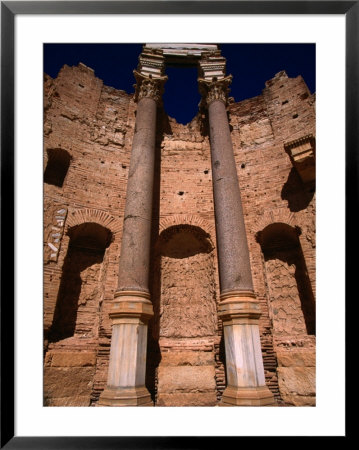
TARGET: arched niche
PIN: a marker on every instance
(77, 306)
(291, 300)
(185, 320)
(58, 162)
(187, 299)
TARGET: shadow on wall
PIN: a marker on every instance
(297, 194)
(87, 246)
(288, 281)
(184, 242)
(58, 162)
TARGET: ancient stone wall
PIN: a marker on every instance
(273, 192)
(94, 125)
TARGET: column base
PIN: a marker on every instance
(136, 396)
(247, 396)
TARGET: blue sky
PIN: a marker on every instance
(250, 64)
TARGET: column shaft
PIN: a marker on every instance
(132, 308)
(135, 246)
(234, 265)
(238, 307)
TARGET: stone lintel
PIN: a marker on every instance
(181, 54)
(183, 48)
(247, 396)
(131, 396)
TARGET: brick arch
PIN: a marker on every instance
(188, 219)
(275, 216)
(102, 218)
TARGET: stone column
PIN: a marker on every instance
(132, 308)
(238, 306)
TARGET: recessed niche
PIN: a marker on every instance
(57, 166)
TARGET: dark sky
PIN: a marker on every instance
(250, 64)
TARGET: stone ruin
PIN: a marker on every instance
(179, 260)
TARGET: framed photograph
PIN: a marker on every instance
(68, 223)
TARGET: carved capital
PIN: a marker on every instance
(214, 90)
(149, 87)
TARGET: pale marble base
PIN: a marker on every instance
(244, 362)
(257, 396)
(128, 354)
(243, 355)
(136, 396)
(127, 367)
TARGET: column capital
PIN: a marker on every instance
(216, 89)
(149, 87)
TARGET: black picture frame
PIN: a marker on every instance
(9, 9)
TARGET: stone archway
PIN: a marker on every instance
(87, 215)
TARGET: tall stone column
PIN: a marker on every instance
(238, 308)
(132, 308)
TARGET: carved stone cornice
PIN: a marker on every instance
(212, 64)
(151, 62)
(214, 90)
(149, 87)
(302, 155)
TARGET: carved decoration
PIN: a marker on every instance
(151, 62)
(148, 87)
(215, 89)
(212, 64)
(54, 232)
(302, 155)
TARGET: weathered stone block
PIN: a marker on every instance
(75, 400)
(298, 400)
(187, 358)
(186, 378)
(187, 399)
(68, 382)
(72, 359)
(297, 385)
(296, 358)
